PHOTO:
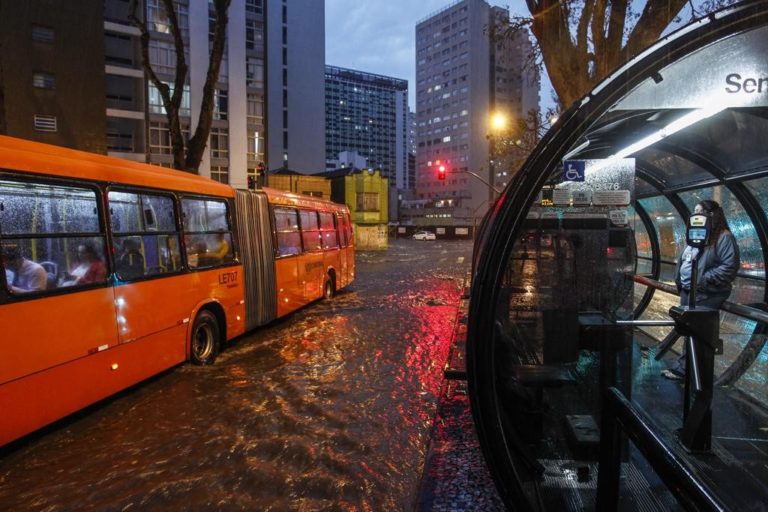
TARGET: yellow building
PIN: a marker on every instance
(366, 194)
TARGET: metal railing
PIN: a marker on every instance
(751, 349)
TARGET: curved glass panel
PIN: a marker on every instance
(670, 228)
(741, 226)
(675, 171)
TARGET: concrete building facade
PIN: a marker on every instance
(296, 84)
(461, 79)
(52, 55)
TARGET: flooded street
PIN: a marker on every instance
(327, 409)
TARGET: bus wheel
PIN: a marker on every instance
(206, 338)
(328, 289)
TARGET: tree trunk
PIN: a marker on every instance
(579, 52)
(187, 155)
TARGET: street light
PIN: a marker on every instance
(498, 123)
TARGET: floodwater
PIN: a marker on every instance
(328, 409)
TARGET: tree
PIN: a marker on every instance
(581, 41)
(187, 154)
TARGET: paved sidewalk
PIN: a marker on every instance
(455, 477)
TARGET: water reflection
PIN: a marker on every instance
(327, 409)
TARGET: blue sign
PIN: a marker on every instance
(573, 170)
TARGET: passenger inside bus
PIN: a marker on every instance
(91, 268)
(196, 253)
(222, 251)
(130, 261)
(26, 275)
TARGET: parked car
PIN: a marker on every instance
(424, 235)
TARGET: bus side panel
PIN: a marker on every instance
(311, 275)
(332, 261)
(290, 295)
(40, 333)
(41, 398)
(171, 301)
(349, 256)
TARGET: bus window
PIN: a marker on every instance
(328, 229)
(50, 231)
(145, 234)
(287, 231)
(207, 234)
(310, 230)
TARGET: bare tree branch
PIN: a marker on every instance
(200, 139)
(187, 155)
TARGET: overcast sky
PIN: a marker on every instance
(379, 36)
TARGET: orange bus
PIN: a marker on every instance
(113, 271)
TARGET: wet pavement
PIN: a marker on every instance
(328, 409)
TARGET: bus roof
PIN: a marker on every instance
(39, 158)
(282, 197)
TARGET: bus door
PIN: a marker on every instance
(287, 255)
(146, 246)
(58, 307)
(311, 267)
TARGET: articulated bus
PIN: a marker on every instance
(113, 271)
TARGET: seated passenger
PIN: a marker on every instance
(221, 252)
(130, 261)
(28, 276)
(196, 253)
(91, 268)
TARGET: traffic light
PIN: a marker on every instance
(441, 171)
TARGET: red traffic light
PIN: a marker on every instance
(441, 172)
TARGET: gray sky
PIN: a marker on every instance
(378, 36)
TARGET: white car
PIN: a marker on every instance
(424, 235)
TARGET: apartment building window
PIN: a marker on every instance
(220, 173)
(162, 57)
(157, 19)
(220, 104)
(255, 146)
(156, 101)
(254, 6)
(45, 123)
(43, 81)
(43, 34)
(254, 35)
(117, 141)
(254, 72)
(219, 143)
(159, 139)
(255, 109)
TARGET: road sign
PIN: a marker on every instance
(573, 170)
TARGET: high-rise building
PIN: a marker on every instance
(461, 79)
(86, 58)
(296, 84)
(368, 114)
